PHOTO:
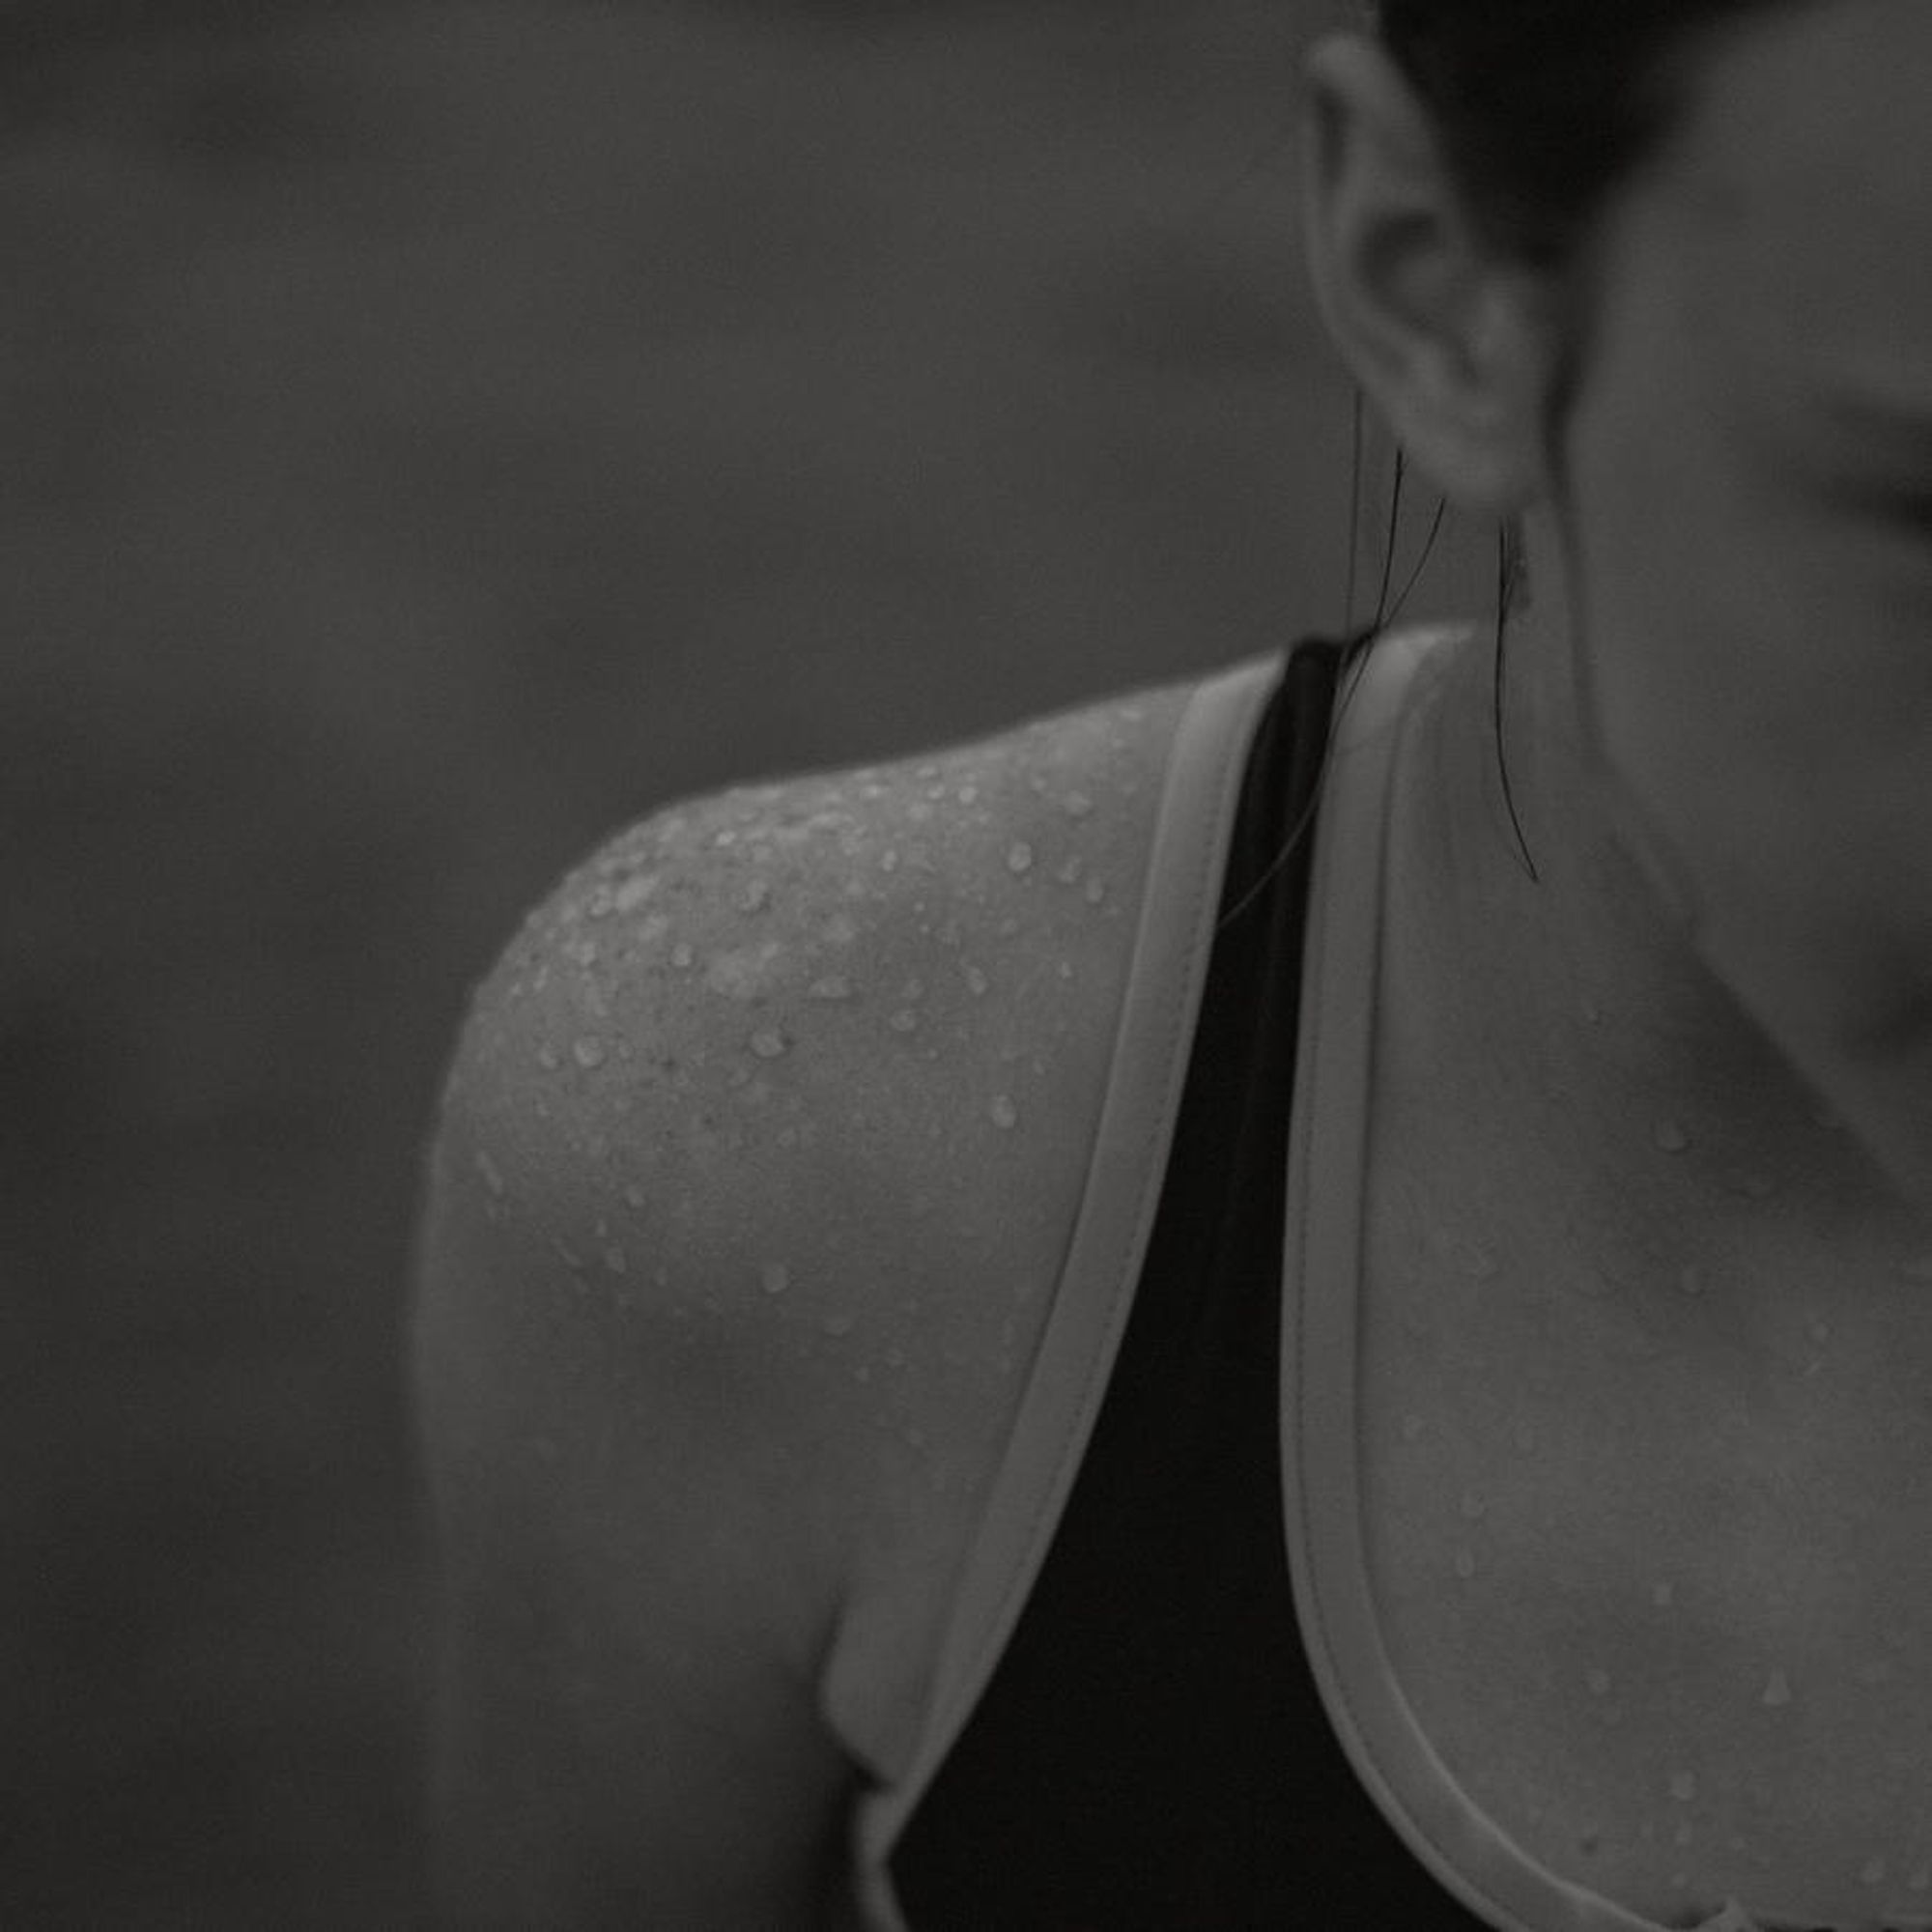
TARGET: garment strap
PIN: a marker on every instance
(1095, 1295)
(1328, 1160)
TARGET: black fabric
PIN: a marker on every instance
(1152, 1755)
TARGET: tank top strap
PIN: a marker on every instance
(1447, 1832)
(1174, 940)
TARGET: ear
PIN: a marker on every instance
(1450, 344)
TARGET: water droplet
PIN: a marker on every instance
(1066, 969)
(1683, 1786)
(1096, 890)
(777, 1277)
(681, 958)
(1662, 1595)
(746, 973)
(754, 895)
(890, 863)
(1068, 874)
(1777, 1691)
(1593, 1013)
(904, 1021)
(726, 839)
(838, 1324)
(1474, 1508)
(589, 1052)
(1020, 858)
(599, 903)
(567, 1254)
(1077, 805)
(1466, 1564)
(839, 930)
(1691, 1280)
(769, 1043)
(834, 986)
(1820, 1332)
(582, 953)
(635, 1195)
(547, 1058)
(614, 1260)
(976, 980)
(1872, 1871)
(634, 892)
(1600, 1682)
(1003, 1111)
(1670, 1137)
(1478, 1263)
(1412, 1426)
(493, 1178)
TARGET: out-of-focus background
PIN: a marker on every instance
(432, 436)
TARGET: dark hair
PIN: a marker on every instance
(1543, 110)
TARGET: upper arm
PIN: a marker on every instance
(737, 1130)
(630, 1478)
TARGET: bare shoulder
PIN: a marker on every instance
(802, 1079)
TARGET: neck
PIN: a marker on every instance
(1573, 1011)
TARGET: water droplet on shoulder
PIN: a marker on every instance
(589, 1052)
(1005, 1115)
(1019, 857)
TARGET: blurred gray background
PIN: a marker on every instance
(434, 436)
